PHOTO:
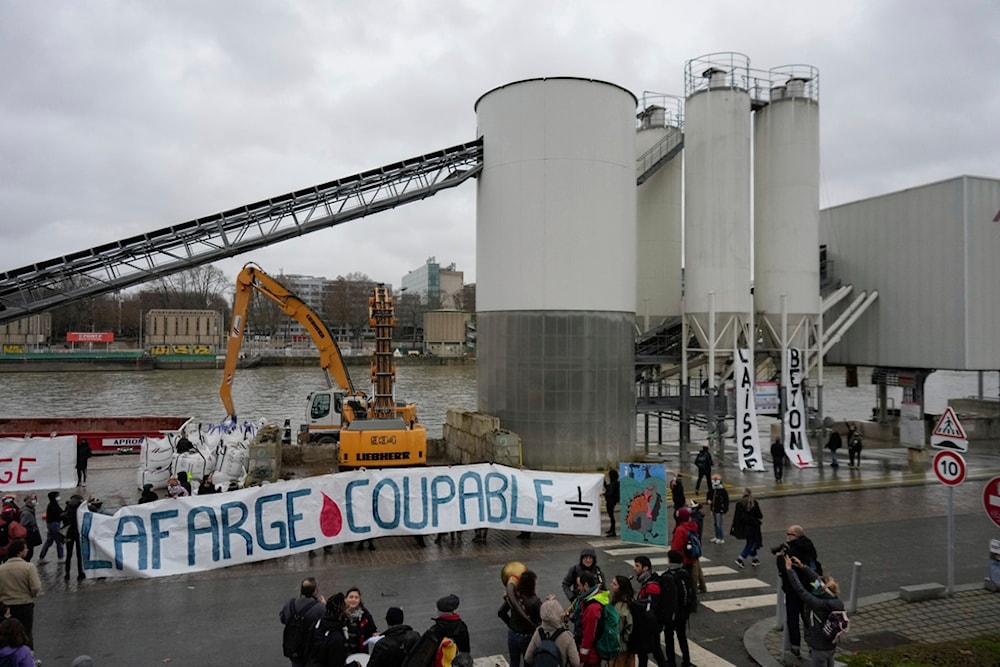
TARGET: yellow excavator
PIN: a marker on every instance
(372, 433)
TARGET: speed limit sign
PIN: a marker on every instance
(949, 467)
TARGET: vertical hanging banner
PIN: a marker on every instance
(794, 421)
(747, 437)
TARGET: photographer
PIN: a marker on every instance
(796, 545)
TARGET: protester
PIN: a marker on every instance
(395, 642)
(15, 649)
(360, 622)
(10, 531)
(649, 620)
(70, 521)
(778, 457)
(83, 454)
(796, 545)
(19, 586)
(623, 599)
(677, 491)
(53, 527)
(175, 489)
(521, 615)
(30, 522)
(679, 542)
(821, 599)
(207, 486)
(854, 445)
(746, 526)
(328, 644)
(704, 464)
(833, 444)
(587, 563)
(718, 501)
(147, 495)
(182, 477)
(676, 582)
(552, 615)
(451, 624)
(298, 615)
(592, 601)
(612, 496)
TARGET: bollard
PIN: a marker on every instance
(855, 581)
(779, 612)
(286, 439)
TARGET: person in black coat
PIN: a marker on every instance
(73, 536)
(83, 453)
(327, 645)
(778, 457)
(612, 495)
(799, 547)
(53, 524)
(451, 624)
(147, 495)
(396, 641)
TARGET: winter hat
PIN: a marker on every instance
(447, 604)
(683, 514)
(394, 616)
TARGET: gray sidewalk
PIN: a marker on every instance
(884, 621)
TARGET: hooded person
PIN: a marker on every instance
(552, 614)
(587, 563)
(70, 520)
(450, 624)
(678, 541)
(396, 641)
(30, 522)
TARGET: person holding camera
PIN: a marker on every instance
(800, 547)
(821, 597)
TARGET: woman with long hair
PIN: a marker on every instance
(622, 597)
(360, 622)
(521, 615)
(14, 644)
(746, 526)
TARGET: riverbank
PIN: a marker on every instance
(62, 362)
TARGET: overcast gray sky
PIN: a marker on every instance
(118, 117)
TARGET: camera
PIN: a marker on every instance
(780, 549)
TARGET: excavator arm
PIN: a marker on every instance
(253, 279)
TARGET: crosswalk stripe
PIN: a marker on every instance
(735, 584)
(636, 551)
(702, 657)
(716, 570)
(736, 604)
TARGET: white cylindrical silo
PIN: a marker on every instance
(786, 198)
(659, 137)
(717, 232)
(555, 265)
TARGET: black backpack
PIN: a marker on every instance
(425, 650)
(295, 638)
(547, 654)
(687, 601)
(391, 650)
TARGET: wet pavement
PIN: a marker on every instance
(229, 617)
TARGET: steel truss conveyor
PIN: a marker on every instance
(128, 262)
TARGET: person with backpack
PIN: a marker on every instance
(30, 523)
(704, 464)
(854, 445)
(718, 501)
(451, 624)
(677, 587)
(623, 599)
(10, 530)
(686, 541)
(299, 615)
(592, 602)
(649, 617)
(552, 645)
(796, 545)
(395, 643)
(587, 563)
(824, 605)
(520, 613)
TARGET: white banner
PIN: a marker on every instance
(199, 533)
(27, 464)
(747, 438)
(796, 416)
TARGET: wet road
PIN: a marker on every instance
(229, 617)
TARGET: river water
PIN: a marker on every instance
(277, 393)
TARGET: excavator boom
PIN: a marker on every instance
(253, 279)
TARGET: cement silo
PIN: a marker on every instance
(659, 140)
(555, 264)
(786, 207)
(717, 241)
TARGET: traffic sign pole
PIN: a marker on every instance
(951, 541)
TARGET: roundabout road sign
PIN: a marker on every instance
(949, 467)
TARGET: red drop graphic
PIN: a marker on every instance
(330, 518)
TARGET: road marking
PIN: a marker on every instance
(636, 551)
(737, 604)
(735, 584)
(717, 570)
(493, 661)
(701, 656)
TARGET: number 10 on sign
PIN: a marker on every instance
(949, 467)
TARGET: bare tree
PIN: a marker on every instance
(465, 298)
(410, 311)
(346, 304)
(199, 288)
